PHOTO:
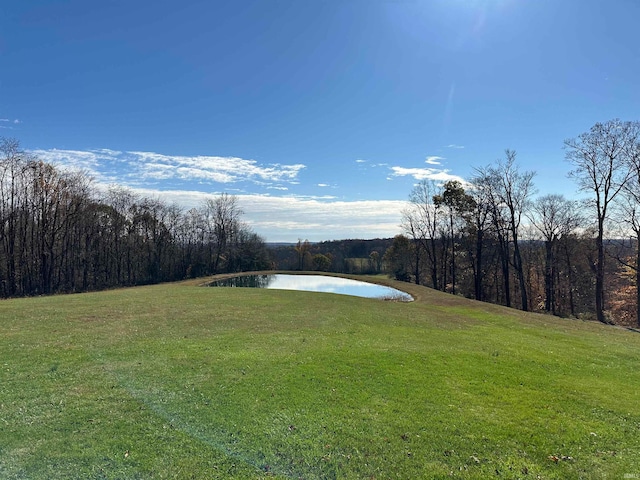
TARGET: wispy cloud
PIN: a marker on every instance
(434, 160)
(425, 174)
(136, 168)
(323, 185)
(7, 123)
(453, 145)
(361, 161)
(91, 160)
(211, 168)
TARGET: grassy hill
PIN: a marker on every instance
(177, 381)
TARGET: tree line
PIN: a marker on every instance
(355, 256)
(60, 233)
(491, 240)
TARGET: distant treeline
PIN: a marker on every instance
(60, 234)
(340, 256)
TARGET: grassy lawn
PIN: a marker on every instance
(177, 381)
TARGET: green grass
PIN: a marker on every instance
(177, 381)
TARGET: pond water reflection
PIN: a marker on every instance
(315, 283)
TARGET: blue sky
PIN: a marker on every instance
(320, 115)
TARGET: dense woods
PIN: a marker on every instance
(60, 234)
(341, 256)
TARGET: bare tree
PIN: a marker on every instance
(478, 223)
(12, 165)
(508, 191)
(118, 225)
(602, 166)
(223, 217)
(421, 221)
(486, 182)
(515, 190)
(554, 217)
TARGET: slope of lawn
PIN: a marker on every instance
(179, 381)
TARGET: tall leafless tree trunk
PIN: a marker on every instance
(600, 158)
(510, 190)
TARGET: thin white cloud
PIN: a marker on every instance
(213, 168)
(453, 145)
(15, 121)
(361, 161)
(314, 197)
(80, 159)
(425, 174)
(136, 168)
(323, 185)
(434, 160)
(108, 151)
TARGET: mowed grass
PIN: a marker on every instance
(179, 381)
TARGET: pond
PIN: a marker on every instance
(315, 283)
